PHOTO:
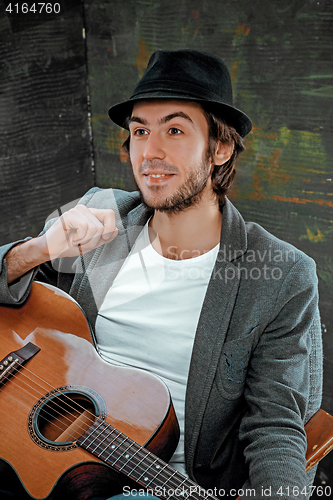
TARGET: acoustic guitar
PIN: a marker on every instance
(69, 419)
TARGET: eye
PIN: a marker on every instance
(139, 131)
(175, 131)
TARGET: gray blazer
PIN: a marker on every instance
(256, 369)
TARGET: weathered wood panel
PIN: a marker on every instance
(280, 57)
(45, 148)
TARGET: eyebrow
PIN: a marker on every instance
(165, 119)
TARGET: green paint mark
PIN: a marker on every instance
(312, 77)
(326, 91)
(285, 135)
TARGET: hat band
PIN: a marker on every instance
(187, 89)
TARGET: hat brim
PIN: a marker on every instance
(119, 113)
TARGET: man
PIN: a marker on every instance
(223, 311)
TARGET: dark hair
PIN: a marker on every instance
(126, 145)
(222, 175)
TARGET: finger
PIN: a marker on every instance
(87, 226)
(76, 226)
(108, 219)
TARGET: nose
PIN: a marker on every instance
(153, 147)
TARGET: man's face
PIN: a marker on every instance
(169, 153)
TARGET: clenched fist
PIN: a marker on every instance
(80, 230)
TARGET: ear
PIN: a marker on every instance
(222, 153)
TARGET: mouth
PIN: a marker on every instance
(153, 178)
(157, 173)
(157, 176)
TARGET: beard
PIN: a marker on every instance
(187, 195)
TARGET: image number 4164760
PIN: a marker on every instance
(33, 8)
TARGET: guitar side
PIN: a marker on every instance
(41, 447)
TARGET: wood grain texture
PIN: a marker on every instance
(45, 147)
(319, 432)
(133, 401)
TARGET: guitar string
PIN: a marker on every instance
(21, 395)
(146, 454)
(31, 394)
(50, 388)
(46, 404)
(25, 369)
(141, 453)
(18, 370)
(126, 439)
(43, 389)
(28, 407)
(167, 478)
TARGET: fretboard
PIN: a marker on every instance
(126, 456)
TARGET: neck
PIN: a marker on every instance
(189, 233)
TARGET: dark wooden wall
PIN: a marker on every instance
(280, 56)
(45, 147)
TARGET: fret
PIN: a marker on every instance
(159, 469)
(138, 463)
(114, 448)
(179, 487)
(128, 457)
(147, 478)
(88, 434)
(114, 434)
(168, 478)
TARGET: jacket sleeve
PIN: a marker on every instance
(283, 390)
(18, 292)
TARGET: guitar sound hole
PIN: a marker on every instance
(63, 415)
(64, 418)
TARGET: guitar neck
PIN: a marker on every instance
(126, 456)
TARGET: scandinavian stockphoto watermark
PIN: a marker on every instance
(258, 264)
(255, 273)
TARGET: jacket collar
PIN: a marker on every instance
(233, 242)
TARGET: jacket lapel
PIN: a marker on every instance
(212, 326)
(95, 274)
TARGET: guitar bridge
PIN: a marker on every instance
(15, 360)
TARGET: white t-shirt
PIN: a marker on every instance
(149, 318)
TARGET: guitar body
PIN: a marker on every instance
(50, 401)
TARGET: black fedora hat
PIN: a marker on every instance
(186, 74)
